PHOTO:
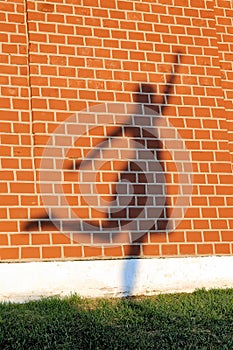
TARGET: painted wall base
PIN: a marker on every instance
(113, 278)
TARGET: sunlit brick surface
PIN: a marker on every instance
(58, 58)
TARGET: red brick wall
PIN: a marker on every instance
(224, 33)
(60, 57)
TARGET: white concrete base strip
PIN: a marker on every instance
(113, 278)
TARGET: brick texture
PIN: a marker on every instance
(61, 57)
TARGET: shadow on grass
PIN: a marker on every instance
(202, 320)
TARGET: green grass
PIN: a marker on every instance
(201, 320)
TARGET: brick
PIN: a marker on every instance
(19, 239)
(185, 225)
(205, 249)
(113, 251)
(4, 27)
(64, 8)
(187, 249)
(105, 96)
(9, 253)
(157, 237)
(131, 250)
(58, 238)
(36, 16)
(40, 239)
(57, 105)
(51, 252)
(19, 213)
(219, 224)
(66, 50)
(22, 187)
(4, 240)
(45, 7)
(169, 249)
(226, 236)
(222, 248)
(151, 250)
(72, 252)
(209, 212)
(221, 167)
(176, 237)
(30, 253)
(8, 226)
(47, 27)
(125, 5)
(9, 200)
(92, 251)
(194, 236)
(211, 236)
(201, 224)
(225, 212)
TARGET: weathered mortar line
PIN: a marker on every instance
(32, 135)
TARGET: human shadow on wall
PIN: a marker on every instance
(158, 103)
(145, 97)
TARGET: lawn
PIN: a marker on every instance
(201, 320)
